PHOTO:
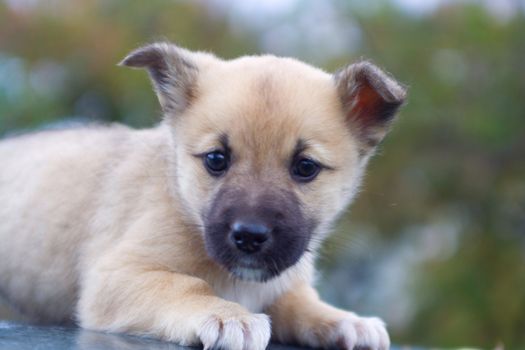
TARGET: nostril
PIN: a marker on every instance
(238, 236)
(260, 238)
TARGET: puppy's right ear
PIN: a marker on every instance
(172, 72)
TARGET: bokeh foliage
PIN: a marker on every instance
(444, 199)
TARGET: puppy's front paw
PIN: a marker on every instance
(247, 332)
(362, 333)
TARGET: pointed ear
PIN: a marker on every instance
(172, 72)
(370, 100)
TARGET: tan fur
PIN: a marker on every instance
(102, 224)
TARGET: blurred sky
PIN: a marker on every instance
(316, 29)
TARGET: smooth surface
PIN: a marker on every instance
(19, 336)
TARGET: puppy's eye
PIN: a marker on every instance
(216, 162)
(305, 169)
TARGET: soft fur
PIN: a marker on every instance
(110, 227)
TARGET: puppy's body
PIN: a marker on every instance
(127, 231)
(123, 173)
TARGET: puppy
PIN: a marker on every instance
(204, 229)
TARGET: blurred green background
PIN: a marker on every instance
(435, 244)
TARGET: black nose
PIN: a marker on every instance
(250, 236)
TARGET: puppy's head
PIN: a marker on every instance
(267, 151)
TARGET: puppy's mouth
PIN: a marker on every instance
(254, 268)
(250, 267)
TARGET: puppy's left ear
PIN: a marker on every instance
(173, 73)
(370, 100)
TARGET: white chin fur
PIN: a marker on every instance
(248, 274)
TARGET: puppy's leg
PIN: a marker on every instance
(299, 316)
(180, 308)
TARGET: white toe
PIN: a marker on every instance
(258, 332)
(232, 336)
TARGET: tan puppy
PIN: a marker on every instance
(205, 228)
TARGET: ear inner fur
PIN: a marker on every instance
(370, 100)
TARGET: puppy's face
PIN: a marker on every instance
(268, 150)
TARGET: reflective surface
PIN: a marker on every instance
(25, 337)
